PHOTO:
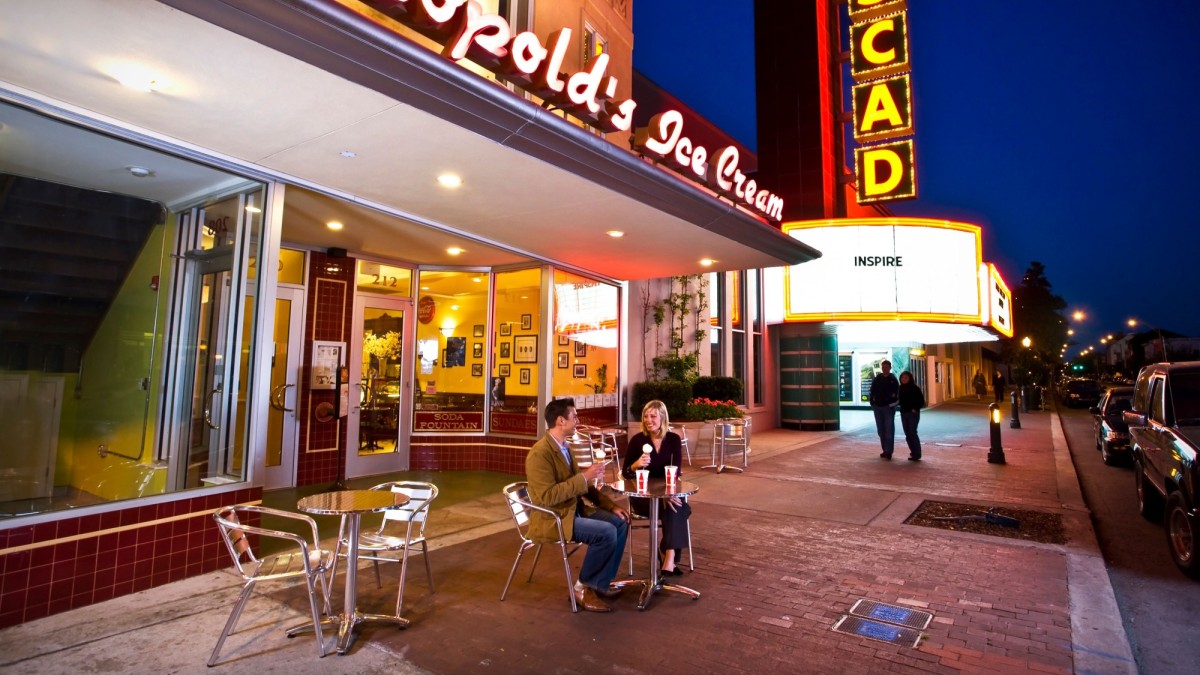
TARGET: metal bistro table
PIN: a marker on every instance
(656, 491)
(351, 504)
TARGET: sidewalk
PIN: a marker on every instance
(782, 552)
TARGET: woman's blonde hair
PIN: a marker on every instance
(662, 414)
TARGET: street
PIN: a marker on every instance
(1158, 603)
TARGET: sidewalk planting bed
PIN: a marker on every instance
(1039, 526)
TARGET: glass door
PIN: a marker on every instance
(381, 380)
(213, 310)
(286, 360)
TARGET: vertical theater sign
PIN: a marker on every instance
(882, 101)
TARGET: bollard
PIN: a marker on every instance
(1025, 398)
(1015, 422)
(996, 451)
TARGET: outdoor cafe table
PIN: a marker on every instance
(351, 505)
(656, 491)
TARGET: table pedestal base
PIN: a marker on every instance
(648, 590)
(345, 633)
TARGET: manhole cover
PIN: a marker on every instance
(876, 630)
(901, 616)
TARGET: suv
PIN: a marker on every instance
(1082, 393)
(1164, 425)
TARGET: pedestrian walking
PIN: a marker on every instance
(912, 399)
(980, 384)
(885, 396)
(999, 384)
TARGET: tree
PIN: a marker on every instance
(1038, 315)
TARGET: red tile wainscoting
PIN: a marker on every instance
(49, 568)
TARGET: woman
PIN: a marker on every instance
(653, 448)
(911, 402)
(980, 384)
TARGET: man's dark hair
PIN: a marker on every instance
(886, 361)
(558, 408)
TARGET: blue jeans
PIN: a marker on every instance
(604, 533)
(885, 424)
(910, 420)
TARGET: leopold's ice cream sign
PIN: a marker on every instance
(664, 139)
(466, 31)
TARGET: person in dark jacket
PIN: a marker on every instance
(999, 384)
(980, 384)
(912, 399)
(885, 396)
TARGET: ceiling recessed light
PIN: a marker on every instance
(348, 154)
(139, 171)
(477, 279)
(334, 225)
(137, 76)
(454, 250)
(424, 288)
(449, 180)
(454, 307)
(615, 234)
(707, 262)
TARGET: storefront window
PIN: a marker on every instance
(586, 335)
(514, 373)
(126, 359)
(451, 346)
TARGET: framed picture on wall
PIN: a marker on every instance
(580, 371)
(505, 349)
(525, 376)
(526, 321)
(477, 350)
(563, 359)
(525, 349)
(477, 330)
(580, 350)
(505, 370)
(563, 341)
(506, 329)
(476, 370)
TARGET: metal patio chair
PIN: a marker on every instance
(516, 495)
(308, 561)
(409, 519)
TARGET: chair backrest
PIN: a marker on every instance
(581, 450)
(420, 496)
(236, 538)
(733, 429)
(516, 495)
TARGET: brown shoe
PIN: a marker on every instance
(588, 600)
(611, 592)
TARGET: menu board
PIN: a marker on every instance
(845, 381)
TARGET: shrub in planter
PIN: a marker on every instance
(718, 388)
(674, 394)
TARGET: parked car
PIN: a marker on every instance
(1082, 393)
(1108, 421)
(1164, 426)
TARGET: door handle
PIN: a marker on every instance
(208, 410)
(277, 395)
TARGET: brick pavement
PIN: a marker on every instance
(782, 551)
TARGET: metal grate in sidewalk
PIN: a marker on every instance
(901, 616)
(875, 630)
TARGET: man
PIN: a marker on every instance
(885, 396)
(557, 483)
(999, 384)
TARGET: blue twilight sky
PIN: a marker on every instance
(1065, 129)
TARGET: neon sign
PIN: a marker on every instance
(465, 30)
(664, 140)
(882, 100)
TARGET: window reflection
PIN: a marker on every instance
(586, 341)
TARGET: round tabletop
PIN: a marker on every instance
(657, 488)
(351, 501)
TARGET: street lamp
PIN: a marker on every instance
(1079, 315)
(1026, 342)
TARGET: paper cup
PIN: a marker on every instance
(672, 474)
(643, 479)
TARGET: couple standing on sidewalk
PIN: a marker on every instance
(887, 394)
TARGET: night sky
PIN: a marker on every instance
(1064, 129)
